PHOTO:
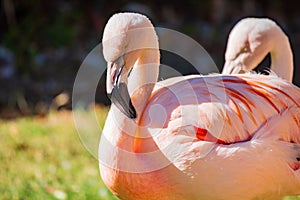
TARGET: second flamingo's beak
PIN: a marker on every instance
(230, 67)
(117, 90)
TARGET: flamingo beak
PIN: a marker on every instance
(117, 91)
(230, 67)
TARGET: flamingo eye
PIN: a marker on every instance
(245, 48)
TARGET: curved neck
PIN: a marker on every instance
(143, 77)
(282, 58)
(119, 129)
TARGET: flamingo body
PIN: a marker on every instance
(258, 158)
(198, 137)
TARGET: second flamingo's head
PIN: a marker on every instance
(250, 41)
(126, 37)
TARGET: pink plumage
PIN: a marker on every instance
(194, 137)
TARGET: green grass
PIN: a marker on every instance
(43, 158)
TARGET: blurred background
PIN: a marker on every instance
(43, 43)
(42, 46)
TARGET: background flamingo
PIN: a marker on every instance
(193, 137)
(251, 40)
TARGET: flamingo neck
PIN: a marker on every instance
(143, 78)
(282, 58)
(141, 83)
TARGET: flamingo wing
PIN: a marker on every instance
(199, 112)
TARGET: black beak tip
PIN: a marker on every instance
(131, 112)
(120, 97)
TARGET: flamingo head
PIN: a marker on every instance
(124, 38)
(249, 42)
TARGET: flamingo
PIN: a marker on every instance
(251, 40)
(193, 137)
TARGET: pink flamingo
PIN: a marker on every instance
(251, 40)
(193, 137)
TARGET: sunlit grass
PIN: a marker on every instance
(43, 158)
